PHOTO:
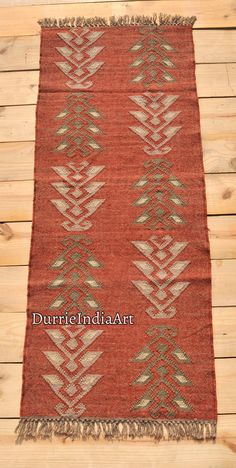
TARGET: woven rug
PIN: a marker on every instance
(119, 328)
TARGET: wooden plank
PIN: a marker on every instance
(17, 197)
(5, 3)
(218, 123)
(16, 160)
(12, 3)
(18, 88)
(22, 20)
(127, 454)
(21, 87)
(221, 193)
(12, 330)
(11, 376)
(17, 123)
(20, 53)
(222, 236)
(15, 243)
(224, 327)
(216, 79)
(223, 282)
(211, 46)
(13, 280)
(13, 292)
(15, 240)
(17, 201)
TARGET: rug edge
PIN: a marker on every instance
(42, 428)
(136, 20)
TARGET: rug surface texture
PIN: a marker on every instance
(119, 329)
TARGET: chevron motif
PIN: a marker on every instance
(71, 360)
(77, 130)
(161, 270)
(77, 190)
(156, 128)
(159, 200)
(162, 378)
(74, 283)
(79, 53)
(152, 65)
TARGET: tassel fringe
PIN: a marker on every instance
(114, 429)
(126, 20)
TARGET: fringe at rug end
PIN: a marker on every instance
(114, 429)
(138, 20)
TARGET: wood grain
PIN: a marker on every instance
(17, 157)
(17, 123)
(22, 20)
(224, 328)
(17, 197)
(17, 160)
(15, 240)
(11, 378)
(14, 286)
(215, 52)
(12, 330)
(211, 46)
(21, 87)
(222, 236)
(218, 123)
(130, 454)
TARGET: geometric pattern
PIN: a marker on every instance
(161, 269)
(71, 360)
(159, 200)
(74, 283)
(79, 53)
(152, 65)
(77, 130)
(156, 128)
(162, 378)
(77, 188)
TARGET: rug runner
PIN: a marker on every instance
(119, 230)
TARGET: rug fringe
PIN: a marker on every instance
(138, 20)
(114, 429)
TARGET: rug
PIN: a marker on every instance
(119, 329)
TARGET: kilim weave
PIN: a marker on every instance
(119, 329)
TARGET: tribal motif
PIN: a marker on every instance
(77, 191)
(77, 129)
(74, 283)
(79, 54)
(152, 65)
(71, 360)
(156, 119)
(161, 270)
(162, 377)
(159, 200)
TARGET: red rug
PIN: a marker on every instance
(119, 328)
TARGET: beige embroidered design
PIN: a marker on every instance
(152, 64)
(162, 379)
(78, 129)
(161, 198)
(75, 284)
(79, 53)
(155, 117)
(78, 190)
(71, 360)
(161, 271)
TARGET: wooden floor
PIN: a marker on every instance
(215, 49)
